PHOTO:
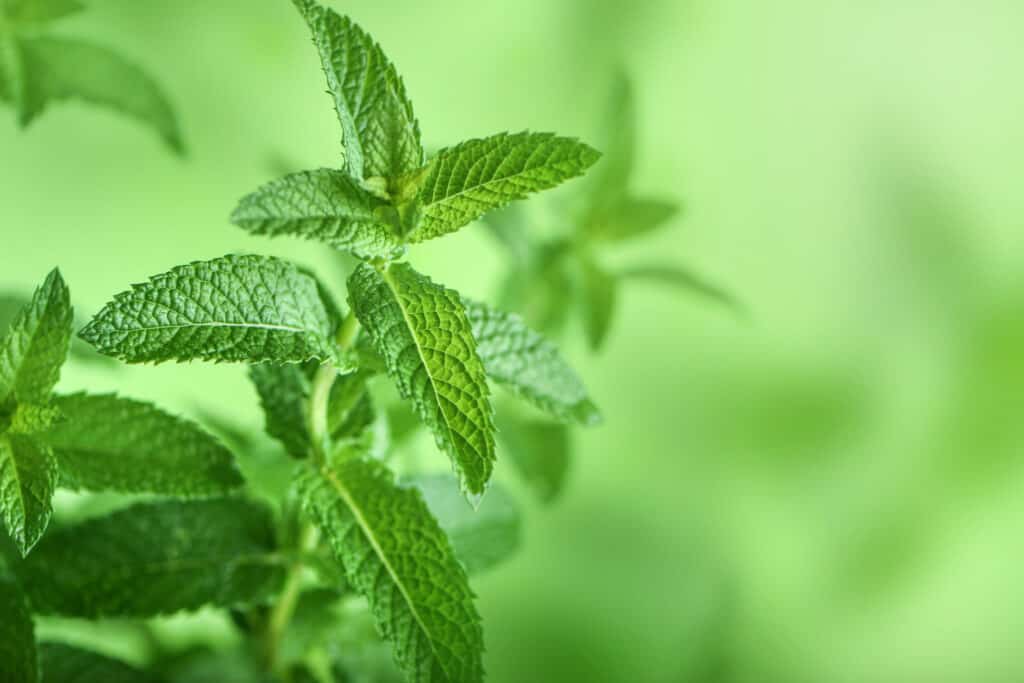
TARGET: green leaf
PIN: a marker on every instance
(40, 11)
(396, 555)
(323, 205)
(477, 176)
(235, 308)
(598, 303)
(682, 279)
(155, 558)
(30, 418)
(28, 477)
(62, 69)
(609, 182)
(421, 330)
(18, 658)
(540, 452)
(629, 218)
(37, 345)
(542, 290)
(481, 538)
(62, 663)
(529, 365)
(380, 134)
(108, 443)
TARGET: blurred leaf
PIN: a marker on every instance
(629, 218)
(599, 296)
(39, 11)
(18, 657)
(684, 279)
(539, 451)
(155, 558)
(542, 290)
(482, 538)
(315, 619)
(508, 227)
(609, 182)
(62, 663)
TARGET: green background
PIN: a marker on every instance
(827, 491)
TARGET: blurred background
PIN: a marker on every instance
(826, 491)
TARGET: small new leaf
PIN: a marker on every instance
(323, 205)
(155, 558)
(62, 663)
(396, 555)
(28, 477)
(37, 345)
(235, 308)
(380, 134)
(529, 365)
(421, 330)
(19, 661)
(477, 176)
(108, 443)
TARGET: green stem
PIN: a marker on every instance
(284, 609)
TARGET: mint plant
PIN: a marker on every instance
(37, 69)
(353, 520)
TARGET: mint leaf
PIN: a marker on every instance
(235, 308)
(37, 345)
(396, 555)
(539, 451)
(62, 69)
(155, 558)
(609, 182)
(28, 477)
(421, 330)
(629, 218)
(686, 280)
(598, 299)
(29, 418)
(62, 663)
(477, 176)
(108, 443)
(529, 365)
(39, 11)
(481, 538)
(542, 289)
(18, 658)
(323, 205)
(380, 134)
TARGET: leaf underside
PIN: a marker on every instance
(396, 555)
(235, 308)
(421, 330)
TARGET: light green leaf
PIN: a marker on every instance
(477, 176)
(18, 658)
(629, 218)
(323, 205)
(686, 280)
(598, 303)
(40, 11)
(542, 290)
(608, 184)
(28, 477)
(540, 452)
(529, 364)
(62, 69)
(155, 558)
(421, 330)
(481, 538)
(397, 556)
(36, 346)
(30, 418)
(108, 443)
(62, 663)
(380, 134)
(235, 308)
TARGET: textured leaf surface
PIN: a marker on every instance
(540, 452)
(481, 538)
(380, 135)
(155, 558)
(62, 663)
(474, 177)
(529, 364)
(421, 330)
(235, 308)
(37, 345)
(36, 11)
(18, 658)
(112, 443)
(61, 69)
(631, 217)
(323, 205)
(28, 477)
(599, 295)
(396, 555)
(683, 279)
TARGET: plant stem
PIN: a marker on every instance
(284, 609)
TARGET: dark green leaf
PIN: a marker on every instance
(62, 663)
(28, 477)
(18, 659)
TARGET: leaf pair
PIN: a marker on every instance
(37, 70)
